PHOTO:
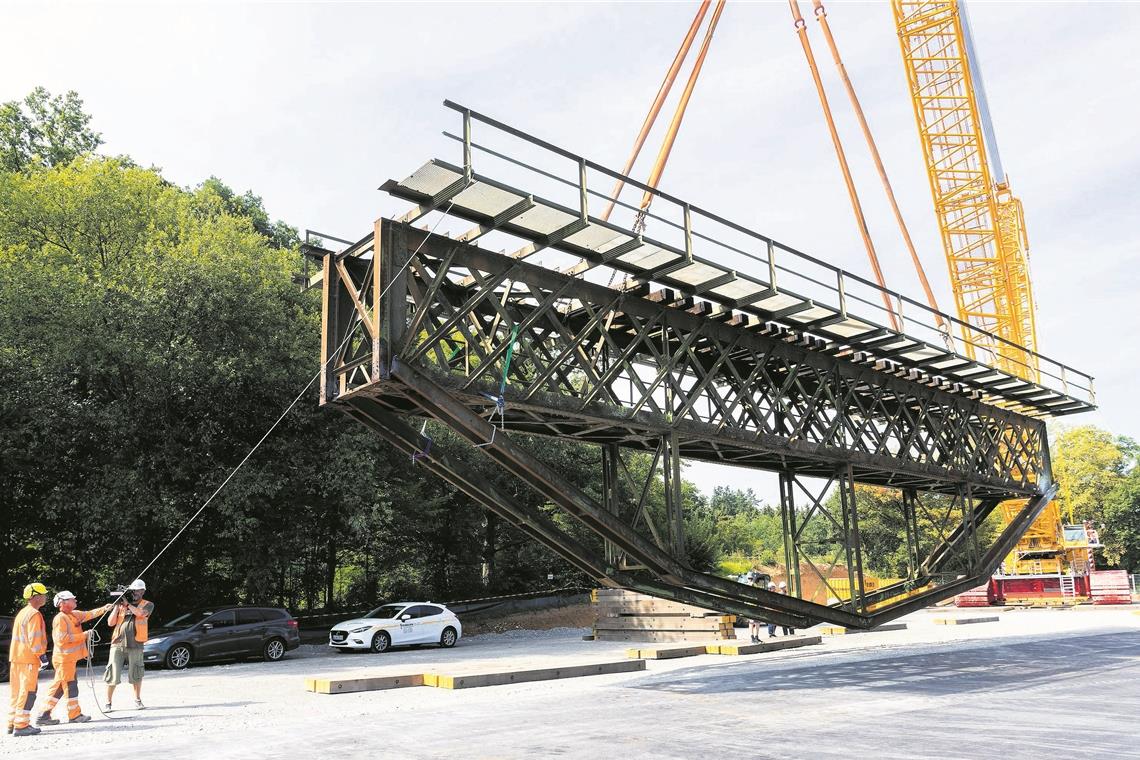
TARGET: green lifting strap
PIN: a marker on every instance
(507, 363)
(499, 401)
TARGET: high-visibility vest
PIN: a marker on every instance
(68, 636)
(118, 620)
(29, 637)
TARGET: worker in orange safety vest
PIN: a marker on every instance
(27, 655)
(70, 646)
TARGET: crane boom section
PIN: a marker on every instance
(983, 238)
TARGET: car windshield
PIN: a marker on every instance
(387, 611)
(189, 619)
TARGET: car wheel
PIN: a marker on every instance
(178, 658)
(448, 638)
(381, 642)
(273, 650)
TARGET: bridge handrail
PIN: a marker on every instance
(1064, 378)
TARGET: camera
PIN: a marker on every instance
(121, 595)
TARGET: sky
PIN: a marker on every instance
(313, 105)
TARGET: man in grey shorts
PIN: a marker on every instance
(130, 620)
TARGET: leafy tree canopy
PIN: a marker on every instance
(44, 130)
(1087, 464)
(1094, 470)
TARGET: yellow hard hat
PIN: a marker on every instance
(34, 588)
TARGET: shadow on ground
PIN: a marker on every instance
(1013, 664)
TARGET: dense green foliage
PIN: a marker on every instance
(42, 131)
(1097, 473)
(150, 335)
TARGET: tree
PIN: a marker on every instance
(1088, 463)
(43, 131)
(149, 335)
(1121, 537)
(213, 196)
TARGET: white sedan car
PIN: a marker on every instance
(398, 624)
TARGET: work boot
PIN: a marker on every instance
(81, 718)
(26, 731)
(45, 719)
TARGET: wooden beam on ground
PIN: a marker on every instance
(477, 679)
(771, 645)
(666, 653)
(838, 630)
(350, 684)
(965, 620)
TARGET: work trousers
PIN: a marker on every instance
(65, 681)
(23, 680)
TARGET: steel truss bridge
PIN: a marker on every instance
(691, 338)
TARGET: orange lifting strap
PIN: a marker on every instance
(860, 220)
(678, 115)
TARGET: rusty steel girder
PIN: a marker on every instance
(491, 346)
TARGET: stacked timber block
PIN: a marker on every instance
(629, 616)
(975, 597)
(1110, 587)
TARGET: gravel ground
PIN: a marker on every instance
(1033, 683)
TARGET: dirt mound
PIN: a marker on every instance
(571, 616)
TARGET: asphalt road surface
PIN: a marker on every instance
(1036, 684)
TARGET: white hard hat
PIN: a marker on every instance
(137, 585)
(62, 597)
(783, 585)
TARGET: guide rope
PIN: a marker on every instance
(93, 636)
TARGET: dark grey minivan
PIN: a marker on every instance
(225, 632)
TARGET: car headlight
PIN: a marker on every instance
(159, 640)
(361, 629)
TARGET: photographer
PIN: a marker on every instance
(130, 620)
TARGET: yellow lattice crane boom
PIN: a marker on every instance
(987, 252)
(981, 222)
